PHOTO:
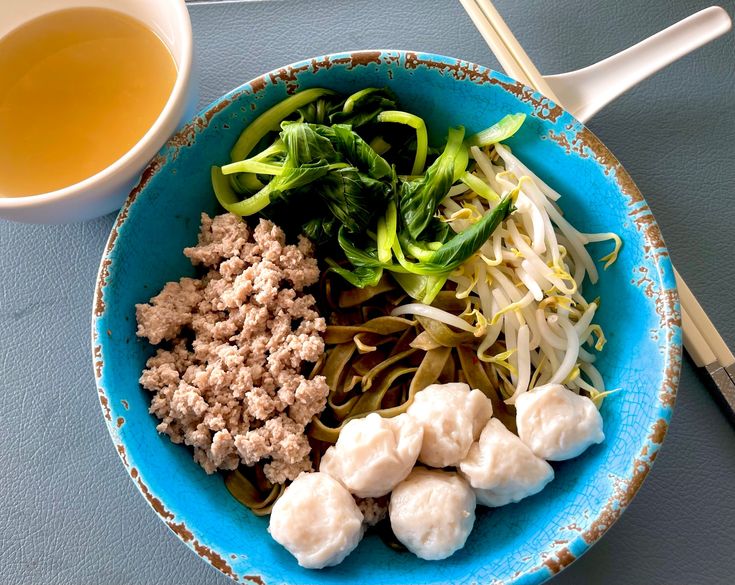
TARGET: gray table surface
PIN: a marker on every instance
(68, 512)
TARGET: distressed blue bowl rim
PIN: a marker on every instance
(667, 301)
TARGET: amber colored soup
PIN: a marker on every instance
(78, 88)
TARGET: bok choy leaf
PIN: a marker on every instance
(278, 188)
(422, 139)
(363, 107)
(354, 198)
(358, 152)
(420, 287)
(498, 132)
(360, 277)
(419, 198)
(270, 120)
(305, 145)
(459, 249)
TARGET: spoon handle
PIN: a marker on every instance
(586, 91)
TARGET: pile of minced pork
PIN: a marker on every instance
(431, 509)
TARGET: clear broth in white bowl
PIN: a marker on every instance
(78, 89)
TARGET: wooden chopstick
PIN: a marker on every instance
(697, 346)
(696, 317)
(701, 339)
(507, 61)
(506, 47)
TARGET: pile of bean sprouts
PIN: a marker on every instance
(524, 286)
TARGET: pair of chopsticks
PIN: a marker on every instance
(701, 339)
(506, 48)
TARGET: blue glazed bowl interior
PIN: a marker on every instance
(520, 543)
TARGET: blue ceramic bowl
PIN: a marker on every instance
(521, 543)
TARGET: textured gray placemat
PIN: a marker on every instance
(69, 515)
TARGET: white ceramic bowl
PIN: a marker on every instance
(107, 190)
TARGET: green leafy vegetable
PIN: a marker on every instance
(419, 250)
(305, 145)
(422, 139)
(361, 98)
(245, 183)
(498, 132)
(358, 256)
(361, 276)
(320, 230)
(352, 197)
(363, 107)
(387, 233)
(423, 288)
(276, 152)
(480, 187)
(277, 189)
(223, 190)
(294, 178)
(379, 145)
(318, 111)
(460, 163)
(358, 152)
(270, 120)
(467, 242)
(325, 175)
(252, 166)
(420, 198)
